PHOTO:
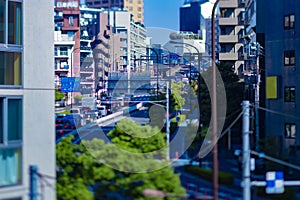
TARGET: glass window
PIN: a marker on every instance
(290, 130)
(63, 51)
(10, 68)
(1, 120)
(10, 166)
(14, 23)
(10, 141)
(289, 94)
(289, 57)
(2, 21)
(14, 119)
(289, 21)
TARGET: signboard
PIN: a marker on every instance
(271, 87)
(274, 183)
(70, 84)
(71, 4)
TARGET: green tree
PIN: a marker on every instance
(86, 165)
(59, 95)
(234, 94)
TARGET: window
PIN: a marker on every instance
(139, 9)
(290, 130)
(14, 22)
(63, 51)
(130, 8)
(10, 68)
(10, 140)
(10, 42)
(289, 94)
(289, 57)
(289, 21)
(71, 21)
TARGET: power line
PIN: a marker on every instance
(278, 113)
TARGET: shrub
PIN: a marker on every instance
(225, 178)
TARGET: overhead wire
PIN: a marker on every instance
(278, 113)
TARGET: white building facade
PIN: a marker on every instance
(26, 97)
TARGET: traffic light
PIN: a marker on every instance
(260, 49)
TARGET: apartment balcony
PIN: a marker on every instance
(228, 38)
(228, 56)
(228, 21)
(85, 49)
(62, 54)
(229, 4)
(63, 39)
(61, 68)
(89, 81)
(85, 38)
(86, 70)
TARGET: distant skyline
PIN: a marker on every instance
(162, 13)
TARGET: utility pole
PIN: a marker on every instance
(246, 152)
(168, 123)
(33, 178)
(214, 106)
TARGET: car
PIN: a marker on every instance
(102, 110)
(60, 103)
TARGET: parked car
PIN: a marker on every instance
(102, 110)
(60, 103)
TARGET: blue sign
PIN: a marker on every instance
(274, 183)
(70, 84)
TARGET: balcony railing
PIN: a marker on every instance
(86, 69)
(229, 4)
(228, 38)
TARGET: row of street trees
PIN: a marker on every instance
(95, 170)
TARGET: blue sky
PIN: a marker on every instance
(162, 13)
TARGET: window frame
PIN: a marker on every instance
(290, 136)
(289, 89)
(14, 48)
(16, 145)
(288, 19)
(289, 54)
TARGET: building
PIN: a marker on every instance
(231, 33)
(281, 42)
(89, 29)
(27, 134)
(135, 7)
(191, 9)
(67, 43)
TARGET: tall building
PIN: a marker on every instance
(135, 7)
(27, 134)
(231, 33)
(281, 42)
(67, 41)
(191, 9)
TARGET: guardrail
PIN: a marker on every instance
(102, 120)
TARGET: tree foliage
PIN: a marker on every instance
(95, 170)
(59, 95)
(234, 94)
